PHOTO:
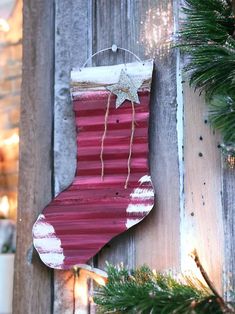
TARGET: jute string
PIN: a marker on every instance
(131, 144)
(104, 135)
(131, 140)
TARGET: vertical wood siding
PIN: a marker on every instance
(201, 223)
(32, 286)
(195, 196)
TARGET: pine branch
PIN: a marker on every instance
(207, 35)
(142, 291)
(222, 115)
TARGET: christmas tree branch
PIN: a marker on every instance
(207, 35)
(143, 291)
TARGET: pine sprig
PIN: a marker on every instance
(144, 292)
(210, 20)
(207, 35)
(212, 68)
(222, 115)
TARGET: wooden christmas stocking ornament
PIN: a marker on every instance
(112, 189)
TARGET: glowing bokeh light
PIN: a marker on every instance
(4, 206)
(14, 139)
(157, 31)
(4, 26)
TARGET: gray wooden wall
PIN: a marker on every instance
(194, 194)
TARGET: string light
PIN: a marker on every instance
(4, 206)
(4, 26)
(6, 9)
(14, 139)
(82, 273)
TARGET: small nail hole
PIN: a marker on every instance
(117, 121)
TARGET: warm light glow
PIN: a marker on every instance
(81, 290)
(188, 265)
(4, 206)
(4, 26)
(99, 279)
(96, 274)
(157, 31)
(14, 139)
(83, 273)
(190, 269)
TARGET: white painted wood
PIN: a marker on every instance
(108, 75)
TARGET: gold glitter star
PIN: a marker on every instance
(126, 89)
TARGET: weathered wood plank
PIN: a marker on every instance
(32, 286)
(116, 22)
(158, 237)
(72, 48)
(201, 224)
(229, 223)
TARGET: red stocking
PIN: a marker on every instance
(112, 189)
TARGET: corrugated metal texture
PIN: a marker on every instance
(87, 215)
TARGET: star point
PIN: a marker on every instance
(126, 89)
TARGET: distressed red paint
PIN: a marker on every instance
(87, 215)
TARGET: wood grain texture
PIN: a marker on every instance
(229, 234)
(158, 238)
(72, 48)
(201, 224)
(32, 285)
